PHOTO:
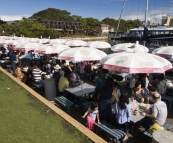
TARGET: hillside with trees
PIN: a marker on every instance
(31, 27)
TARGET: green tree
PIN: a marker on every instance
(110, 21)
(37, 29)
(2, 22)
(51, 14)
(89, 23)
(51, 33)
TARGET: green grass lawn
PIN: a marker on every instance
(24, 119)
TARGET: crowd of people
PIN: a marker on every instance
(108, 96)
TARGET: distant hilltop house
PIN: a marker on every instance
(65, 27)
(167, 21)
(104, 28)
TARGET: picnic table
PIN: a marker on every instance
(81, 90)
(141, 108)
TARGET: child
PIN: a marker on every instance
(91, 115)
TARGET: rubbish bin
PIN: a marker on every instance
(162, 136)
(50, 89)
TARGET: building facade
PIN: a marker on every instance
(104, 28)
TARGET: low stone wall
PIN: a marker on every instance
(92, 136)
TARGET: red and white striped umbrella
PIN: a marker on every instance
(51, 49)
(135, 63)
(165, 52)
(27, 46)
(82, 54)
(75, 43)
(98, 44)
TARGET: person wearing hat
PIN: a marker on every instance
(57, 74)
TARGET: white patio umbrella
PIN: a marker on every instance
(165, 52)
(42, 41)
(130, 48)
(98, 44)
(27, 46)
(51, 49)
(2, 41)
(17, 42)
(82, 54)
(7, 42)
(58, 41)
(36, 40)
(75, 43)
(135, 63)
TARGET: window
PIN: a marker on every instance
(166, 32)
(161, 32)
(170, 32)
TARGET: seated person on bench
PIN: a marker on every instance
(159, 111)
(37, 74)
(63, 82)
(74, 79)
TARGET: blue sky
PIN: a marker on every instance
(100, 9)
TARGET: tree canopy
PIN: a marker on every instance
(31, 27)
(87, 23)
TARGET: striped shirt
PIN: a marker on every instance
(36, 74)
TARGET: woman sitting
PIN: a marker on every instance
(74, 79)
(19, 74)
(123, 113)
(138, 92)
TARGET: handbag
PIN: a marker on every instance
(155, 127)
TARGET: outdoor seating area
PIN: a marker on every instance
(119, 93)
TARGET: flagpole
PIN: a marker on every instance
(146, 13)
(120, 17)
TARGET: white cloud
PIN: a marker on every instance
(12, 17)
(154, 16)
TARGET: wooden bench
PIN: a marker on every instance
(169, 99)
(167, 126)
(111, 130)
(9, 67)
(64, 101)
(37, 85)
(86, 105)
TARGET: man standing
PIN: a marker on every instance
(159, 111)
